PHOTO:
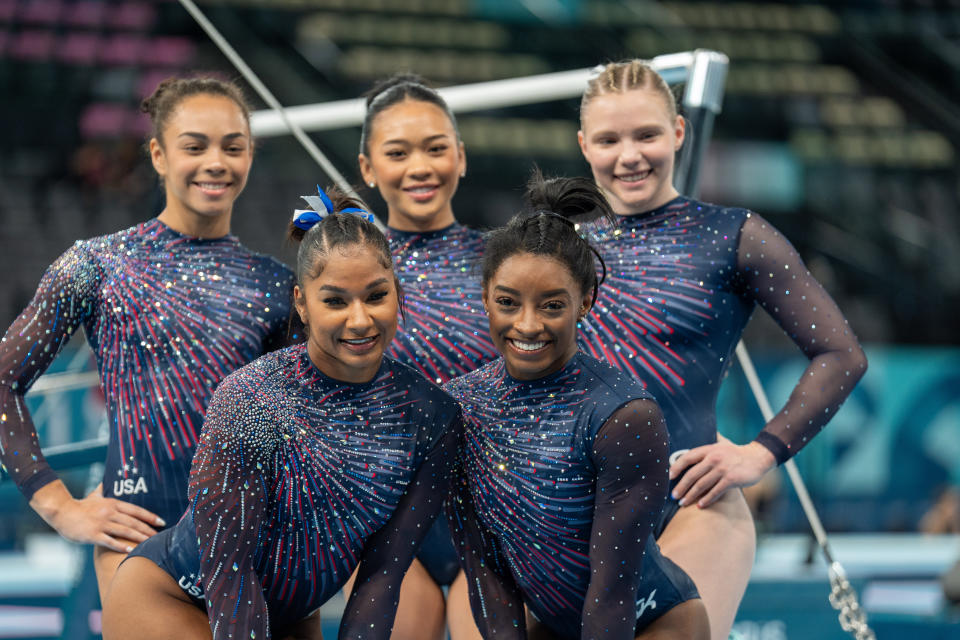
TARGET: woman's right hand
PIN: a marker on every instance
(95, 519)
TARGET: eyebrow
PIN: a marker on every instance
(375, 283)
(426, 140)
(545, 294)
(206, 138)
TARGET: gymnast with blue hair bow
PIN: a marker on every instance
(314, 461)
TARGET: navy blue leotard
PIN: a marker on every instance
(298, 480)
(683, 280)
(560, 483)
(445, 333)
(168, 316)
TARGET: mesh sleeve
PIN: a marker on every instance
(63, 302)
(387, 554)
(630, 454)
(775, 276)
(495, 599)
(229, 490)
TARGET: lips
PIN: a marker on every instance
(213, 188)
(360, 345)
(634, 178)
(422, 193)
(528, 346)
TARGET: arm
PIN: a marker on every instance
(64, 300)
(775, 276)
(229, 490)
(388, 552)
(630, 453)
(495, 599)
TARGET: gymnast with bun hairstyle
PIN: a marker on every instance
(563, 472)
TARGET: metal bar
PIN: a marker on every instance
(477, 96)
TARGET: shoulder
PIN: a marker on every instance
(608, 386)
(477, 382)
(715, 212)
(250, 385)
(266, 263)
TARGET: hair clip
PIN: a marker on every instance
(322, 207)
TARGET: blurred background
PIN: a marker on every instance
(840, 124)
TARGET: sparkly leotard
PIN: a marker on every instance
(683, 280)
(445, 333)
(560, 484)
(300, 478)
(168, 317)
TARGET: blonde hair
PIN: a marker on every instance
(627, 75)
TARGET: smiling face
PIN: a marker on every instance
(630, 140)
(534, 304)
(415, 160)
(204, 159)
(350, 311)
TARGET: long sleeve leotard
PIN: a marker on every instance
(683, 281)
(168, 317)
(557, 491)
(300, 478)
(445, 333)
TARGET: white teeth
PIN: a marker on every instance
(635, 177)
(420, 189)
(360, 340)
(211, 185)
(528, 346)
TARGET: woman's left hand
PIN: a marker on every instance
(709, 471)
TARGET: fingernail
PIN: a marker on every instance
(673, 494)
(161, 522)
(680, 502)
(129, 549)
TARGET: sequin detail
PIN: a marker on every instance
(683, 280)
(168, 316)
(299, 478)
(445, 333)
(559, 487)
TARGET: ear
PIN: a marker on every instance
(300, 303)
(366, 169)
(680, 131)
(585, 305)
(158, 157)
(484, 298)
(583, 146)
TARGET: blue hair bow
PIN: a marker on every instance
(322, 207)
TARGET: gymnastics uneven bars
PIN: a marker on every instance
(704, 73)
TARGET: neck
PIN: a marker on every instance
(195, 225)
(651, 205)
(405, 223)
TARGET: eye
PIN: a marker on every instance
(235, 149)
(395, 154)
(555, 305)
(649, 135)
(439, 149)
(193, 148)
(504, 301)
(334, 301)
(377, 296)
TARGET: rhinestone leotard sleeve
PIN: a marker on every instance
(775, 276)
